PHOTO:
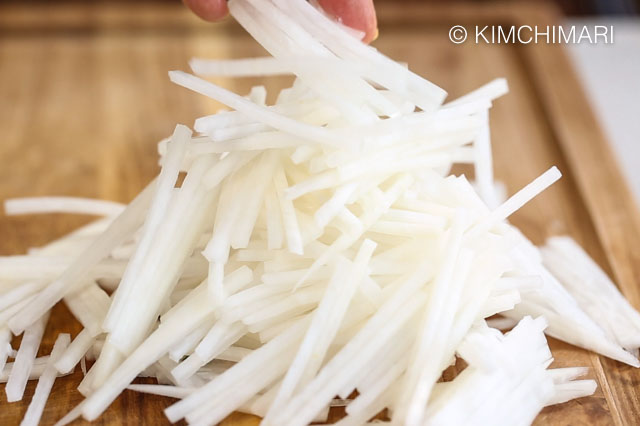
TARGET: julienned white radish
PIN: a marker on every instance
(45, 383)
(39, 365)
(17, 206)
(25, 358)
(316, 247)
(118, 231)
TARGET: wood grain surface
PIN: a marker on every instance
(84, 97)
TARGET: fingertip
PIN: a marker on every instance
(209, 10)
(357, 14)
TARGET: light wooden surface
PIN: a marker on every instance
(84, 97)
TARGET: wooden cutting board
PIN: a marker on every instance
(84, 97)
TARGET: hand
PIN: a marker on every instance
(357, 14)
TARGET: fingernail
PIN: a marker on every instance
(375, 35)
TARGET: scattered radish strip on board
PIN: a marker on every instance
(316, 247)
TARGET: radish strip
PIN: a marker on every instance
(5, 346)
(313, 133)
(24, 360)
(45, 383)
(120, 229)
(157, 210)
(74, 205)
(75, 351)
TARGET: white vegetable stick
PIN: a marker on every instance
(75, 351)
(188, 344)
(261, 114)
(258, 95)
(48, 268)
(223, 119)
(483, 164)
(415, 217)
(75, 205)
(39, 365)
(89, 305)
(216, 339)
(517, 200)
(294, 304)
(83, 365)
(118, 231)
(162, 390)
(158, 209)
(323, 328)
(260, 177)
(240, 395)
(185, 317)
(427, 95)
(234, 282)
(170, 249)
(20, 293)
(334, 205)
(566, 320)
(405, 229)
(367, 412)
(234, 354)
(260, 66)
(190, 366)
(497, 303)
(394, 358)
(289, 219)
(70, 416)
(491, 91)
(303, 153)
(438, 318)
(152, 349)
(24, 360)
(5, 346)
(226, 166)
(275, 228)
(501, 323)
(261, 403)
(75, 241)
(371, 394)
(383, 202)
(249, 142)
(162, 372)
(462, 397)
(217, 249)
(334, 376)
(571, 390)
(522, 283)
(278, 353)
(6, 314)
(45, 383)
(593, 290)
(227, 134)
(564, 375)
(334, 90)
